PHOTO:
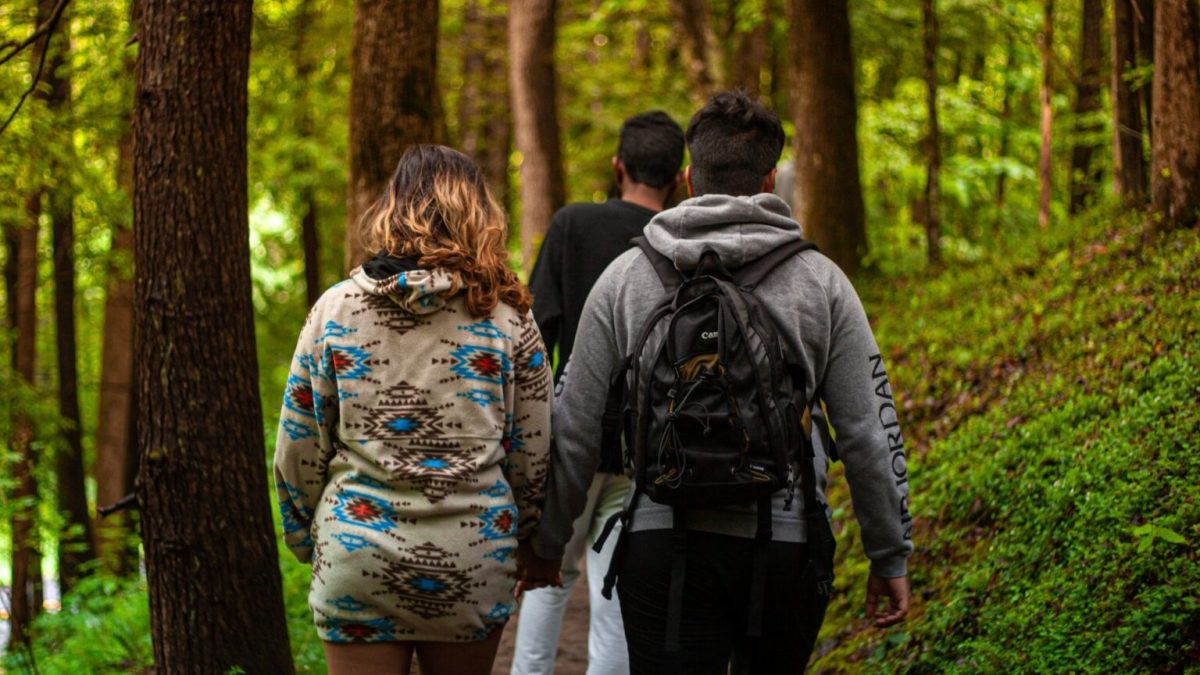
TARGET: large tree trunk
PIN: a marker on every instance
(699, 49)
(216, 600)
(1175, 163)
(1045, 187)
(1129, 170)
(933, 150)
(484, 114)
(829, 200)
(535, 113)
(749, 58)
(75, 542)
(25, 593)
(393, 99)
(1084, 175)
(1144, 26)
(309, 236)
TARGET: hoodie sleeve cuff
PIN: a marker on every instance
(890, 568)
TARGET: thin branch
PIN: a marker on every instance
(46, 28)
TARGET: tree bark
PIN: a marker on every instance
(933, 151)
(25, 593)
(393, 90)
(75, 546)
(484, 115)
(699, 48)
(309, 235)
(749, 58)
(1129, 170)
(535, 114)
(1144, 25)
(1084, 175)
(1044, 155)
(829, 199)
(1175, 156)
(212, 567)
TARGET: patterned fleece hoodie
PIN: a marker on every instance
(411, 458)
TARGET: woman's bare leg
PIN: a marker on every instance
(459, 658)
(373, 658)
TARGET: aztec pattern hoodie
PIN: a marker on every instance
(411, 458)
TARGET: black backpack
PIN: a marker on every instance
(709, 413)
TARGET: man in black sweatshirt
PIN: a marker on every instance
(582, 240)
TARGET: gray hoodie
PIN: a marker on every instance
(823, 326)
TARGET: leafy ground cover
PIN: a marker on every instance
(1048, 393)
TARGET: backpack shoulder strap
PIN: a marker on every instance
(663, 267)
(750, 275)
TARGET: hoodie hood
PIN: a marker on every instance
(739, 229)
(418, 291)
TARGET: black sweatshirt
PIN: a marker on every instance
(582, 240)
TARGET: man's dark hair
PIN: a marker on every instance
(734, 142)
(651, 148)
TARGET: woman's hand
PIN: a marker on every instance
(535, 572)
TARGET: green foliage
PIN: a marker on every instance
(1049, 396)
(103, 627)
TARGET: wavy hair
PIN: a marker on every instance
(438, 208)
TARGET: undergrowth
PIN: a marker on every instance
(1054, 455)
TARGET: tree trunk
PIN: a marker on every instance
(1143, 14)
(1129, 171)
(535, 113)
(484, 115)
(1005, 122)
(75, 542)
(1175, 158)
(393, 90)
(828, 188)
(1084, 176)
(933, 150)
(25, 593)
(309, 236)
(1044, 163)
(699, 48)
(749, 58)
(212, 567)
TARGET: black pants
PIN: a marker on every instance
(716, 607)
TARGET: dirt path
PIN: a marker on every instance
(572, 642)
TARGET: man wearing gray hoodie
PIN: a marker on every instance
(735, 144)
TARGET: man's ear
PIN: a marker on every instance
(768, 184)
(687, 178)
(618, 170)
(677, 181)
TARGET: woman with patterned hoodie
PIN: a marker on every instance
(413, 440)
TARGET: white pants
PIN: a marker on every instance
(540, 618)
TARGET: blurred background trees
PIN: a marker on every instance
(925, 138)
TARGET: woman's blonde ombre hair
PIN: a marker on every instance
(438, 208)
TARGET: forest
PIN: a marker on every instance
(1013, 186)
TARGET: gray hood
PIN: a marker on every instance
(739, 229)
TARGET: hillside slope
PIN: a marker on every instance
(1049, 400)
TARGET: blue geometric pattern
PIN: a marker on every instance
(349, 630)
(512, 440)
(364, 510)
(482, 397)
(486, 329)
(347, 603)
(501, 554)
(334, 329)
(346, 362)
(299, 396)
(352, 542)
(297, 431)
(498, 489)
(499, 522)
(484, 364)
